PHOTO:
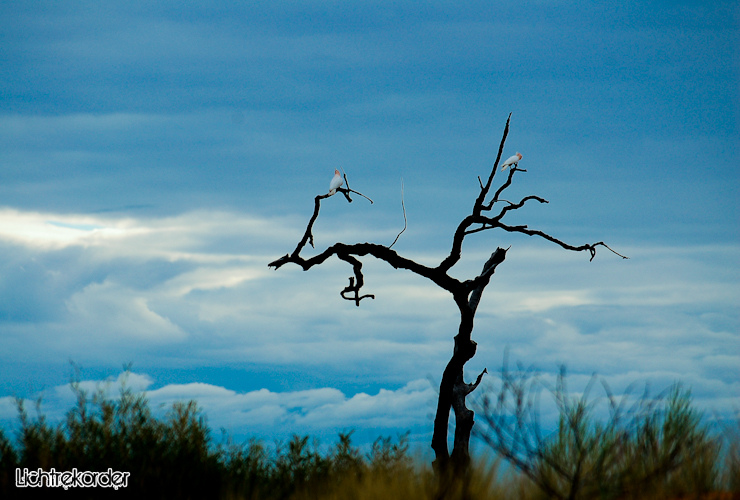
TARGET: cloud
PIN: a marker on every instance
(307, 411)
(145, 288)
(37, 230)
(110, 310)
(260, 413)
(175, 295)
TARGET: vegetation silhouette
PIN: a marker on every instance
(663, 451)
(646, 446)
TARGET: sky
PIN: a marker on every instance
(156, 156)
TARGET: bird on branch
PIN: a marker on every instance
(514, 160)
(336, 181)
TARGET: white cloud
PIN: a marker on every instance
(194, 290)
(112, 310)
(260, 412)
(186, 236)
(303, 411)
(54, 232)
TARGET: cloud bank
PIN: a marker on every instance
(105, 291)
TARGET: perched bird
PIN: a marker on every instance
(514, 160)
(336, 181)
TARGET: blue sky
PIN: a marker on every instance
(154, 157)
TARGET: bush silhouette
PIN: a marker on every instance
(647, 447)
(662, 451)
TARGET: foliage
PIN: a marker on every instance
(661, 449)
(646, 447)
(176, 457)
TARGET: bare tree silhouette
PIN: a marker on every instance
(466, 294)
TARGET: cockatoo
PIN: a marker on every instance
(336, 181)
(514, 160)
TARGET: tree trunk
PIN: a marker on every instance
(453, 389)
(447, 399)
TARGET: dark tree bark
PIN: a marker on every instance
(466, 294)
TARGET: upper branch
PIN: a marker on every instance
(464, 228)
(591, 247)
(492, 222)
(515, 206)
(484, 189)
(457, 240)
(308, 235)
(503, 187)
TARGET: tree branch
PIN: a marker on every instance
(591, 247)
(477, 207)
(344, 252)
(477, 285)
(403, 207)
(354, 286)
(502, 188)
(457, 240)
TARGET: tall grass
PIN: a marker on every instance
(646, 447)
(177, 457)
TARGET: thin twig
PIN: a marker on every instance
(404, 218)
(357, 192)
(348, 190)
(617, 253)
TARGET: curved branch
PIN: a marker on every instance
(591, 247)
(503, 187)
(493, 222)
(354, 287)
(515, 206)
(405, 223)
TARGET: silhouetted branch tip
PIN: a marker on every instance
(277, 263)
(346, 192)
(403, 207)
(592, 250)
(477, 381)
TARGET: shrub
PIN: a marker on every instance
(654, 447)
(651, 447)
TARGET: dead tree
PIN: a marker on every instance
(466, 294)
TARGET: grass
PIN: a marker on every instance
(176, 457)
